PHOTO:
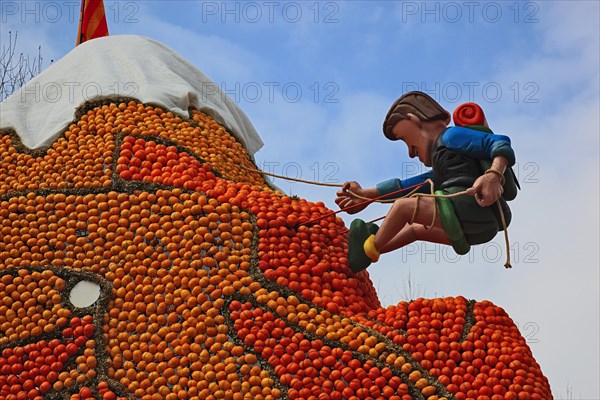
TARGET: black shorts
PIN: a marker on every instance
(479, 224)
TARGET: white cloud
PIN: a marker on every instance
(555, 220)
(351, 138)
(552, 290)
(220, 59)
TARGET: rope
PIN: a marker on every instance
(292, 179)
(507, 263)
(366, 201)
(411, 194)
(380, 199)
(419, 195)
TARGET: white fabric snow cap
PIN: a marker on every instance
(124, 66)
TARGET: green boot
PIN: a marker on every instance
(359, 232)
(373, 228)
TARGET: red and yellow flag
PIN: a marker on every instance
(92, 21)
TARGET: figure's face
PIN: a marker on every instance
(416, 138)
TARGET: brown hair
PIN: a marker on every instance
(417, 103)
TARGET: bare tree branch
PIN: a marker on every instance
(16, 71)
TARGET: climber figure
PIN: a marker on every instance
(463, 158)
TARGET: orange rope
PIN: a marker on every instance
(291, 179)
(366, 201)
(380, 199)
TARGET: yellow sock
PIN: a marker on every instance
(370, 249)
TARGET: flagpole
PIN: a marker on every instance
(80, 32)
(92, 21)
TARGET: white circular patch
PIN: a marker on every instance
(84, 294)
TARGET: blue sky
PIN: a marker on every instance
(316, 79)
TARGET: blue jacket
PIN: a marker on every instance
(455, 160)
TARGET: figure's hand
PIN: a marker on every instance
(487, 189)
(344, 199)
